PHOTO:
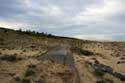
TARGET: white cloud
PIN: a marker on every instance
(99, 12)
(102, 37)
(27, 3)
(52, 10)
(106, 8)
(8, 25)
(12, 25)
(72, 17)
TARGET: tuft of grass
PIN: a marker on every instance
(3, 49)
(24, 50)
(0, 53)
(31, 66)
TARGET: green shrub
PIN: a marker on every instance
(105, 81)
(99, 73)
(100, 81)
(32, 66)
(26, 81)
(17, 78)
(82, 51)
(29, 72)
(11, 58)
(0, 53)
(109, 81)
(40, 81)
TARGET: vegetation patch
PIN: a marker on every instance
(17, 78)
(29, 72)
(40, 81)
(99, 73)
(105, 81)
(32, 66)
(26, 81)
(82, 51)
(10, 58)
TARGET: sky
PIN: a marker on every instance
(83, 19)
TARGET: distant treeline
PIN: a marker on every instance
(34, 33)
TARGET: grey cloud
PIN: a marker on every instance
(120, 17)
(39, 15)
(10, 8)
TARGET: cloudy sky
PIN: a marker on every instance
(85, 19)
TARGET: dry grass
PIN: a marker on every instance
(28, 47)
